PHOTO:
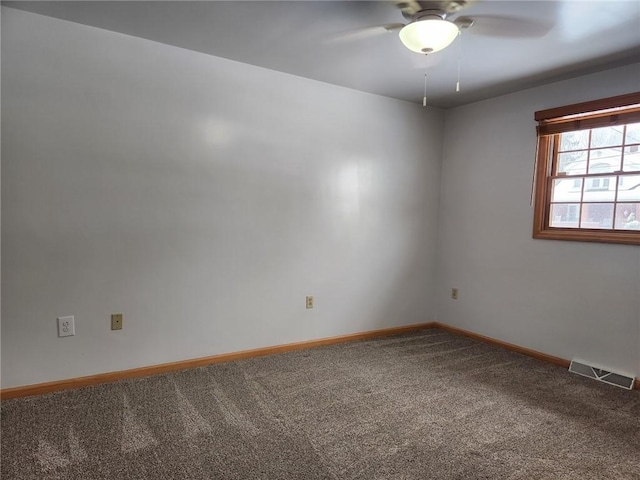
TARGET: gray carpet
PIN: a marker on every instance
(429, 405)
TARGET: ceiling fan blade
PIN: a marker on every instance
(408, 7)
(502, 26)
(392, 27)
(365, 33)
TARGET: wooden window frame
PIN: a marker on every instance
(611, 111)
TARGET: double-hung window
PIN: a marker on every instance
(587, 182)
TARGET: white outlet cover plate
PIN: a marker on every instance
(66, 326)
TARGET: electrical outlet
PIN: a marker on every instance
(116, 321)
(454, 293)
(309, 301)
(66, 326)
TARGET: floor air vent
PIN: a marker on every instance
(602, 375)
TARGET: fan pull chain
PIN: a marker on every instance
(424, 98)
(426, 70)
(459, 59)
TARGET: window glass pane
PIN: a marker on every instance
(572, 163)
(633, 133)
(629, 188)
(605, 160)
(597, 215)
(574, 140)
(566, 190)
(563, 215)
(628, 216)
(632, 159)
(606, 136)
(599, 189)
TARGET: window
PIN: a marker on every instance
(587, 180)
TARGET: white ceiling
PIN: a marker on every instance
(563, 38)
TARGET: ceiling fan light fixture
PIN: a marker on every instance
(428, 35)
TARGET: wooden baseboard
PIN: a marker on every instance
(509, 346)
(562, 362)
(71, 383)
(50, 387)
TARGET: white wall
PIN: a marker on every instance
(203, 199)
(569, 299)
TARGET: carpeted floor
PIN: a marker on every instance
(429, 405)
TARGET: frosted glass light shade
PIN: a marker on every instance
(428, 35)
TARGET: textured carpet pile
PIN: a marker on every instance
(429, 405)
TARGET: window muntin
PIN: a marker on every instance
(588, 174)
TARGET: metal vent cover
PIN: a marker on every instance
(612, 378)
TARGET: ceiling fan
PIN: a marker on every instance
(429, 29)
(433, 25)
